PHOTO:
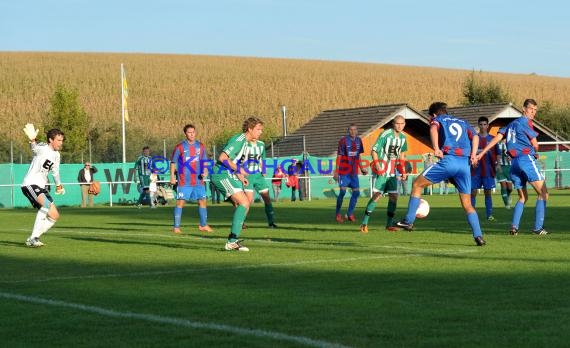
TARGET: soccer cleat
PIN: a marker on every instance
(236, 246)
(540, 232)
(480, 241)
(339, 219)
(513, 231)
(350, 218)
(34, 242)
(491, 218)
(403, 224)
(244, 226)
(392, 228)
(176, 230)
(272, 225)
(206, 228)
(364, 228)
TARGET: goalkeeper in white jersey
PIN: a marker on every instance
(46, 159)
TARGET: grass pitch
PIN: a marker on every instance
(119, 277)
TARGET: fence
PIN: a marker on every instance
(118, 185)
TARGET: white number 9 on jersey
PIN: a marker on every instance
(456, 130)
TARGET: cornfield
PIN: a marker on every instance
(217, 93)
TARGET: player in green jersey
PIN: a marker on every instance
(387, 157)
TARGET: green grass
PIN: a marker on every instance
(310, 282)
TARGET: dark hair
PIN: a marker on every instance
(250, 123)
(483, 119)
(190, 125)
(52, 133)
(528, 102)
(437, 108)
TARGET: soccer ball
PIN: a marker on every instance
(423, 209)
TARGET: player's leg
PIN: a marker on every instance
(46, 216)
(378, 188)
(343, 181)
(241, 201)
(354, 185)
(418, 185)
(181, 195)
(472, 218)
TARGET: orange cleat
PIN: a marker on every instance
(364, 228)
(176, 230)
(206, 228)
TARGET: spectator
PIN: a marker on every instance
(85, 178)
(277, 182)
(143, 174)
(293, 180)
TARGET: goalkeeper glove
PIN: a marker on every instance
(31, 131)
(59, 190)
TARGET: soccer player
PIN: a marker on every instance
(143, 174)
(455, 143)
(253, 160)
(504, 173)
(483, 174)
(346, 174)
(230, 177)
(187, 162)
(387, 156)
(46, 159)
(522, 147)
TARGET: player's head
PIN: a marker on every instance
(530, 106)
(146, 150)
(55, 138)
(483, 123)
(190, 132)
(398, 123)
(352, 130)
(253, 127)
(437, 108)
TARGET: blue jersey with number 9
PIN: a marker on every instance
(454, 135)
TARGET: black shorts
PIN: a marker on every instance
(32, 192)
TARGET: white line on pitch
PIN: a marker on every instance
(194, 270)
(174, 321)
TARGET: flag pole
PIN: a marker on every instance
(123, 110)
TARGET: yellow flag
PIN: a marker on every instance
(125, 96)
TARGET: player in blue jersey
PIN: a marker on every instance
(346, 174)
(187, 170)
(455, 142)
(483, 174)
(522, 147)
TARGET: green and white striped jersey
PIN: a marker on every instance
(503, 157)
(388, 146)
(254, 155)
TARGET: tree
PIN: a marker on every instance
(67, 114)
(477, 92)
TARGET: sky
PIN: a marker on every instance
(526, 37)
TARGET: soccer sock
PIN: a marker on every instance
(177, 216)
(352, 204)
(152, 198)
(517, 214)
(46, 225)
(539, 212)
(203, 214)
(505, 196)
(339, 199)
(390, 213)
(269, 213)
(237, 221)
(413, 205)
(40, 217)
(488, 206)
(369, 209)
(473, 201)
(473, 221)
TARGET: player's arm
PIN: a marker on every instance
(401, 165)
(59, 190)
(490, 145)
(227, 162)
(474, 147)
(434, 136)
(172, 173)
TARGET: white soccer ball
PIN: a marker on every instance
(423, 209)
